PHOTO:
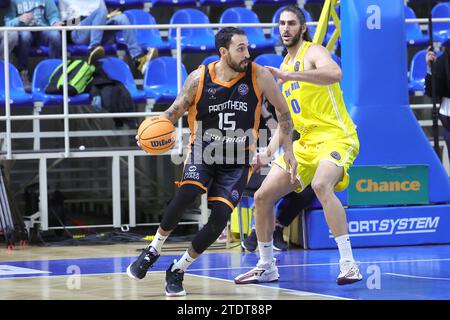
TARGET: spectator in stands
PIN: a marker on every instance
(28, 13)
(441, 71)
(13, 36)
(94, 12)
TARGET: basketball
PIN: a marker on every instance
(156, 135)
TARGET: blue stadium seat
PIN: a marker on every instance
(275, 2)
(124, 3)
(210, 59)
(221, 2)
(196, 39)
(147, 38)
(418, 71)
(160, 79)
(414, 36)
(173, 3)
(255, 36)
(269, 59)
(82, 49)
(18, 96)
(275, 33)
(441, 30)
(41, 76)
(118, 70)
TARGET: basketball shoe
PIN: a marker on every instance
(349, 272)
(95, 54)
(263, 272)
(174, 282)
(278, 242)
(251, 242)
(141, 62)
(138, 269)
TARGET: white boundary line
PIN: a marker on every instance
(288, 291)
(417, 277)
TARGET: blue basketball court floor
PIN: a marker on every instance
(405, 273)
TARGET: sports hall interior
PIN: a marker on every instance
(84, 199)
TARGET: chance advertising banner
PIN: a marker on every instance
(388, 185)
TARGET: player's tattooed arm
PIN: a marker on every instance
(285, 122)
(271, 91)
(185, 98)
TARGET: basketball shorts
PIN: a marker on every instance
(341, 152)
(222, 182)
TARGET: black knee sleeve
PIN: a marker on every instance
(292, 204)
(174, 211)
(220, 213)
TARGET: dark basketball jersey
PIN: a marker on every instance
(225, 119)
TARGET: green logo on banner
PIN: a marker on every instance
(385, 185)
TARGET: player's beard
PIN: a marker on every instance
(294, 40)
(238, 67)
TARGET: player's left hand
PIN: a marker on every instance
(260, 160)
(292, 163)
(281, 75)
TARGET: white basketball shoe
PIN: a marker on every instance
(349, 272)
(263, 272)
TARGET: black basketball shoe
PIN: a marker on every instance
(174, 282)
(138, 269)
(251, 242)
(278, 242)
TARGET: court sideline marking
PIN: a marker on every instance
(417, 277)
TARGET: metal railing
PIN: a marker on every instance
(65, 116)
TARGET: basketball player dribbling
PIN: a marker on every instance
(223, 101)
(327, 147)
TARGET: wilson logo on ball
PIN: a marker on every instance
(161, 143)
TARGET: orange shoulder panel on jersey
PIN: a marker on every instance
(259, 95)
(192, 113)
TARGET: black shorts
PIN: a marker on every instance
(222, 182)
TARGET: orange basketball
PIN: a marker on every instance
(156, 135)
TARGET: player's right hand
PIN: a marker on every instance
(291, 163)
(137, 141)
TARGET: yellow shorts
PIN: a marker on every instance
(341, 152)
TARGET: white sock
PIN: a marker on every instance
(158, 242)
(184, 262)
(344, 246)
(265, 251)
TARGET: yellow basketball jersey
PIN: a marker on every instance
(318, 112)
